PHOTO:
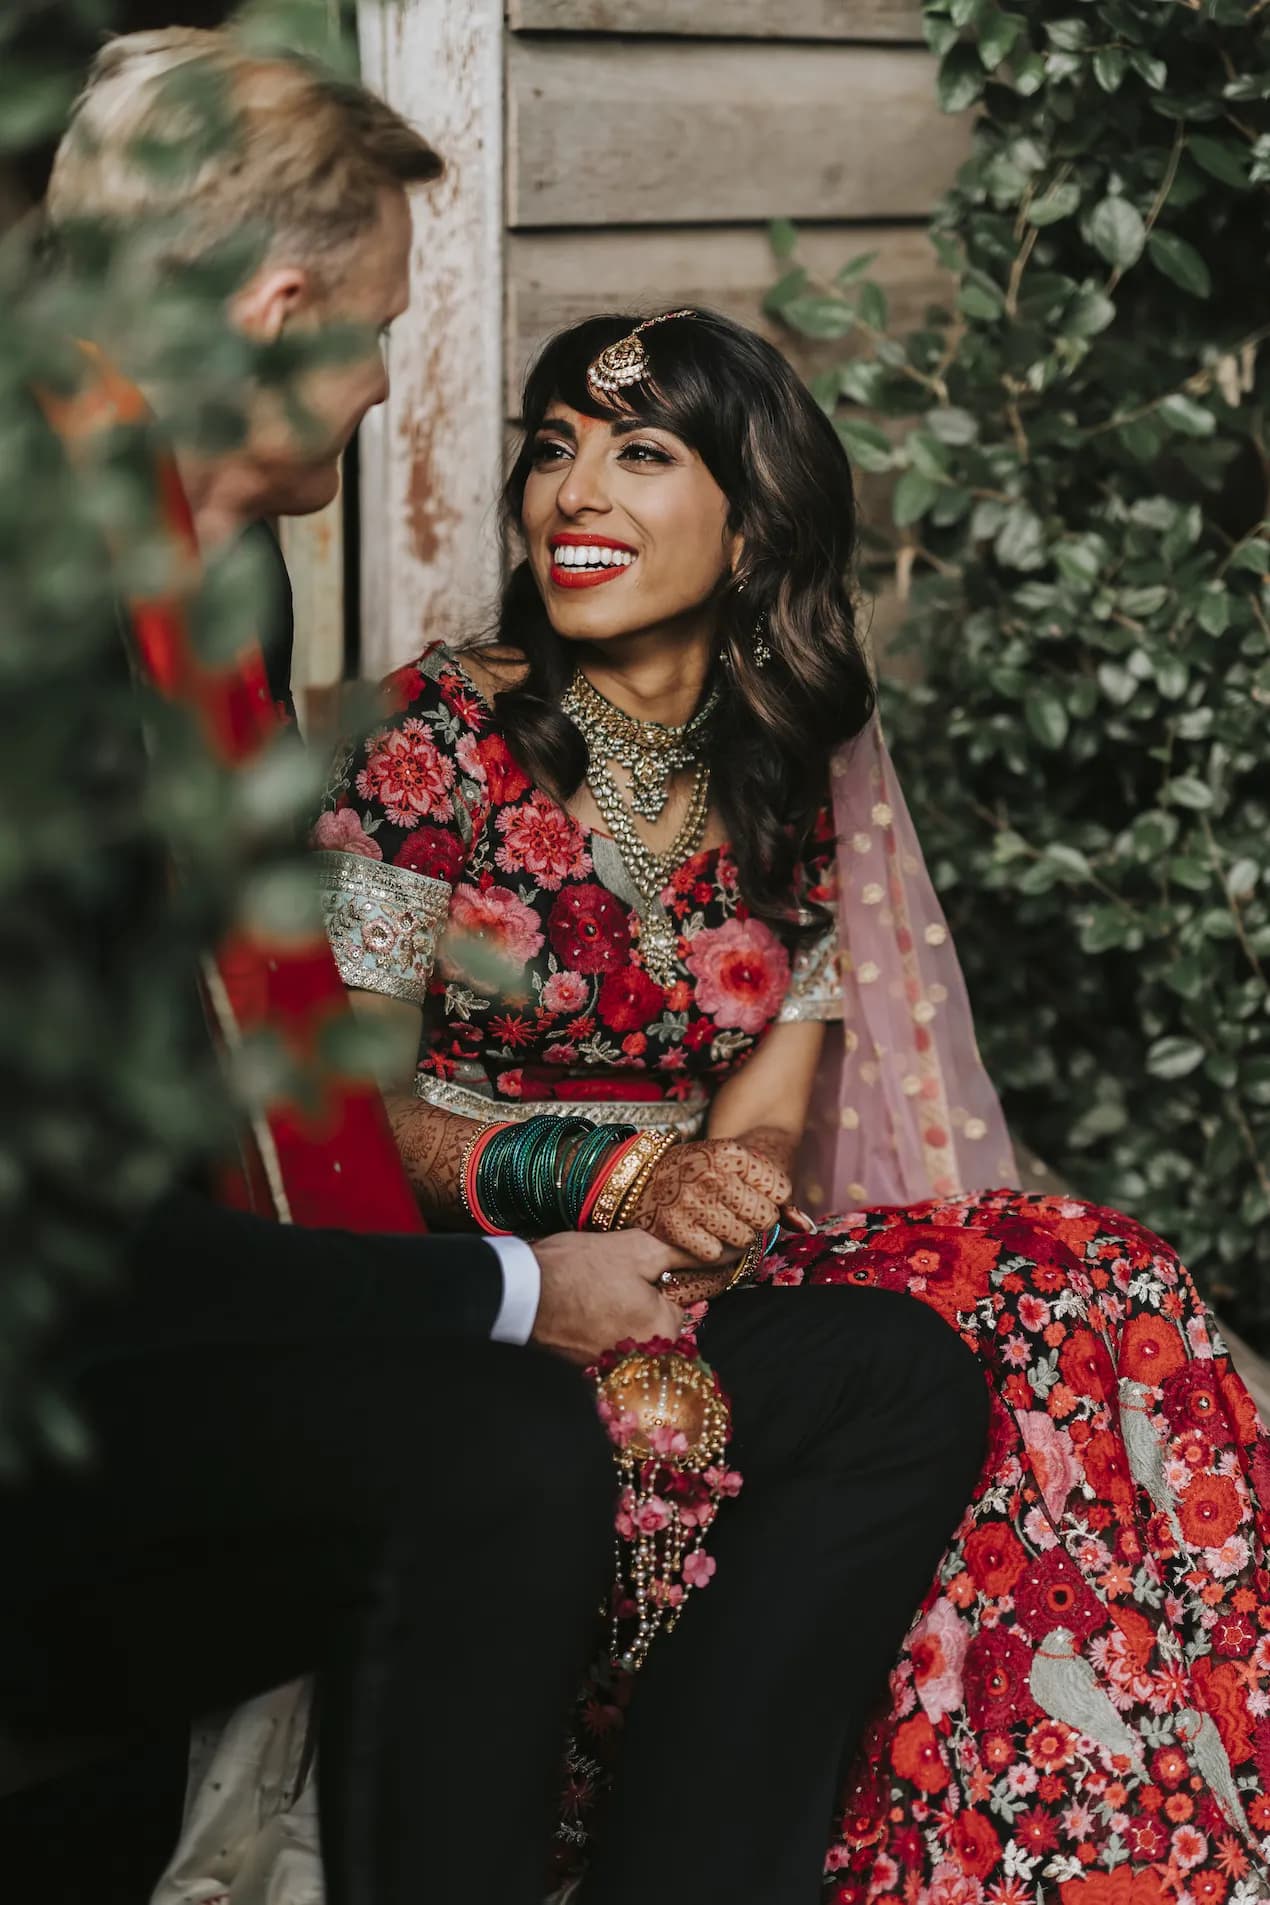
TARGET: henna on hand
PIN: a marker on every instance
(711, 1194)
(431, 1144)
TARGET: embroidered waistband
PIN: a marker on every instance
(663, 1114)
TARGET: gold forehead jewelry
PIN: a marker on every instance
(626, 362)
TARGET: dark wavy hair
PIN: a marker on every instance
(733, 399)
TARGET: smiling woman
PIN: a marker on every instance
(730, 491)
(613, 877)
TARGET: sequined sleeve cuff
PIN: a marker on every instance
(383, 923)
(815, 983)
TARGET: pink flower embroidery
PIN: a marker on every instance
(938, 1649)
(408, 774)
(468, 757)
(1054, 1460)
(565, 992)
(489, 930)
(542, 839)
(742, 973)
(342, 832)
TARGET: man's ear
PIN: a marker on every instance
(272, 297)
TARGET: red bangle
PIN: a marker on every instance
(467, 1179)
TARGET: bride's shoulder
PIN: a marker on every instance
(451, 670)
(492, 666)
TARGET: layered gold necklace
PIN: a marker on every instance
(651, 755)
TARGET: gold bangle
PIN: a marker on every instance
(652, 1148)
(487, 1124)
(748, 1261)
(613, 1193)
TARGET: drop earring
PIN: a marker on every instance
(761, 651)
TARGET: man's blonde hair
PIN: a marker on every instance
(198, 131)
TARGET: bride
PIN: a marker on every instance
(634, 889)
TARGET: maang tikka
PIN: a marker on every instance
(626, 362)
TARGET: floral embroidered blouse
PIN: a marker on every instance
(450, 880)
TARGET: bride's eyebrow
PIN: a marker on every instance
(627, 426)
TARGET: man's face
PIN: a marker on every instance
(296, 446)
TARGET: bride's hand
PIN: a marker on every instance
(711, 1198)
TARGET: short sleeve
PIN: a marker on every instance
(400, 813)
(815, 978)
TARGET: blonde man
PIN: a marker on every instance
(315, 1449)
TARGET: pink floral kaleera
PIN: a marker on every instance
(902, 1109)
(669, 1496)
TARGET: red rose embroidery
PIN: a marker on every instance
(629, 1000)
(1210, 1510)
(505, 778)
(588, 929)
(916, 1755)
(975, 1843)
(432, 851)
(995, 1558)
(1150, 1349)
(996, 1678)
(1051, 1594)
(1191, 1401)
(1086, 1366)
(401, 687)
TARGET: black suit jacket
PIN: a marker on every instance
(196, 1273)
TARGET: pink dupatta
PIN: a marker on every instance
(902, 1109)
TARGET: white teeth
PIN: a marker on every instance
(592, 556)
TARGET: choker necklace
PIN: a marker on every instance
(650, 753)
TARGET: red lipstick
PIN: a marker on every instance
(576, 576)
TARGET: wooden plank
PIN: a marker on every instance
(556, 278)
(725, 19)
(617, 132)
(431, 456)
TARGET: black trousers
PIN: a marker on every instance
(859, 1423)
(427, 1523)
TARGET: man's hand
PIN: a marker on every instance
(598, 1290)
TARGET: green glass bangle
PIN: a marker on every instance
(590, 1159)
(534, 1176)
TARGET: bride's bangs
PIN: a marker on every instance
(676, 396)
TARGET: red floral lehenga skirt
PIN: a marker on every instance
(1081, 1710)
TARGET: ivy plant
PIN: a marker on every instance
(1070, 469)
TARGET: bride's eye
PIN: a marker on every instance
(644, 453)
(549, 450)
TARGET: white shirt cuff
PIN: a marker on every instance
(522, 1288)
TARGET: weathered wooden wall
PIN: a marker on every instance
(616, 154)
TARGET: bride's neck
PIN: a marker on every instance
(653, 681)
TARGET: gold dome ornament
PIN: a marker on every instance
(669, 1422)
(624, 363)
